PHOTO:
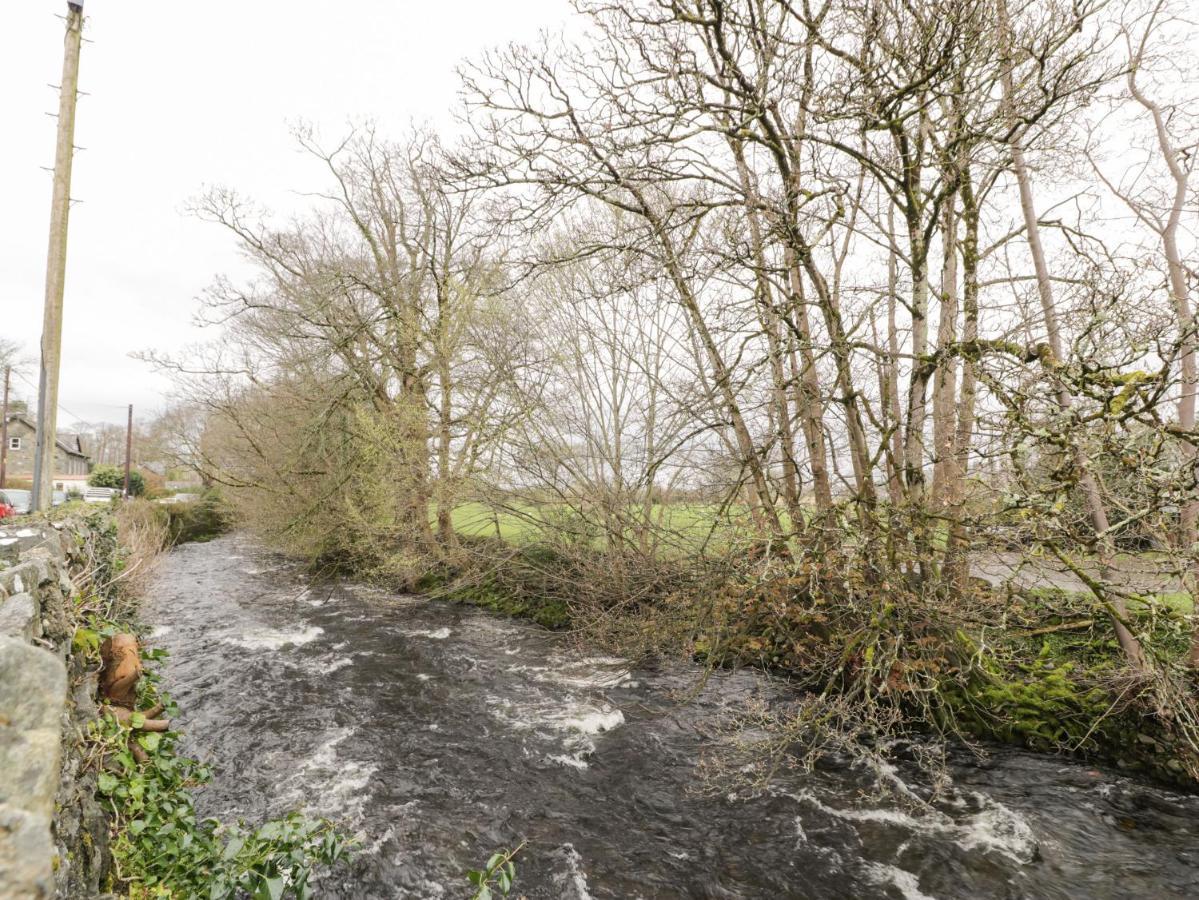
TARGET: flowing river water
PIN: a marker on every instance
(441, 733)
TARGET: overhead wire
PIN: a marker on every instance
(62, 409)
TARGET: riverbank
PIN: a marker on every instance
(95, 798)
(443, 733)
(1028, 666)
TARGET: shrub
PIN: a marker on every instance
(114, 477)
(142, 538)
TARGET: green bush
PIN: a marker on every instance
(114, 477)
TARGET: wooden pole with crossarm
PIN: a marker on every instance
(56, 264)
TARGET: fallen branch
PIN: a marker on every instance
(1061, 626)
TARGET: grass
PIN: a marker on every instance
(685, 527)
(479, 520)
(690, 527)
(1177, 602)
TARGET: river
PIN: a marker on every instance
(441, 733)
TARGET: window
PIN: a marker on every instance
(14, 443)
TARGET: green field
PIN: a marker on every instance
(687, 528)
(683, 526)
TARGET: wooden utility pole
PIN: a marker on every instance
(56, 263)
(128, 447)
(4, 428)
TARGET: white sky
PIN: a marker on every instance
(183, 95)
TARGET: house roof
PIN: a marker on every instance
(74, 441)
(71, 444)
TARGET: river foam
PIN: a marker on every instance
(332, 785)
(274, 638)
(334, 665)
(436, 634)
(585, 673)
(902, 880)
(570, 723)
(992, 828)
(573, 881)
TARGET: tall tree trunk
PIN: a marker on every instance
(1086, 479)
(840, 350)
(445, 419)
(807, 388)
(891, 398)
(945, 381)
(769, 319)
(956, 568)
(723, 378)
(1188, 519)
(413, 497)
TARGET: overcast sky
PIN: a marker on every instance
(179, 96)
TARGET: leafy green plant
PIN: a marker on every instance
(496, 877)
(162, 850)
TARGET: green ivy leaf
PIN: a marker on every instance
(86, 640)
(274, 887)
(233, 847)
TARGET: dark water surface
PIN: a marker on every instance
(442, 733)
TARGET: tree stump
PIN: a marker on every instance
(119, 675)
(121, 670)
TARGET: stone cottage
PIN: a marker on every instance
(71, 462)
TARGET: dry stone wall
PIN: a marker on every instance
(53, 834)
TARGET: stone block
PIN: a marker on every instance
(24, 577)
(26, 855)
(16, 541)
(21, 617)
(30, 761)
(33, 695)
(33, 691)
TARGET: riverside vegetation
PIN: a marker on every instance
(753, 331)
(159, 846)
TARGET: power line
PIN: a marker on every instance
(61, 408)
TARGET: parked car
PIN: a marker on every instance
(21, 502)
(99, 494)
(58, 498)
